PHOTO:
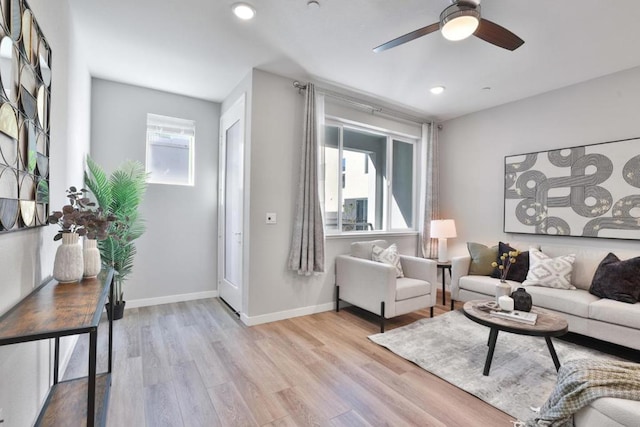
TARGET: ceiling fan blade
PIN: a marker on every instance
(497, 35)
(408, 37)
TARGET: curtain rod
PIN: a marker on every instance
(374, 108)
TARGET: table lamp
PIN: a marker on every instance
(443, 229)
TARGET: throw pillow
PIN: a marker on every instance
(481, 258)
(549, 272)
(617, 280)
(518, 270)
(388, 256)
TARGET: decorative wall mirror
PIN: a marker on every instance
(25, 100)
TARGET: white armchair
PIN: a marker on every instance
(373, 285)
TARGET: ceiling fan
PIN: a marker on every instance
(457, 22)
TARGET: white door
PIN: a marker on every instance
(231, 211)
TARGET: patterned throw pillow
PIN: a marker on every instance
(388, 256)
(549, 272)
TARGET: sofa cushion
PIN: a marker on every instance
(549, 272)
(484, 284)
(618, 313)
(575, 302)
(388, 256)
(623, 411)
(617, 280)
(364, 249)
(518, 270)
(407, 288)
(481, 258)
(585, 264)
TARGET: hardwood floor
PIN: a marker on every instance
(195, 364)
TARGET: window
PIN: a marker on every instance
(369, 180)
(170, 142)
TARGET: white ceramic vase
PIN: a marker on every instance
(502, 288)
(91, 255)
(68, 264)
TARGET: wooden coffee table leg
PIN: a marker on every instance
(493, 336)
(552, 350)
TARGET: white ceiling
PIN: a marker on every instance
(198, 48)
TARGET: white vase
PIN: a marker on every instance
(91, 255)
(502, 288)
(68, 264)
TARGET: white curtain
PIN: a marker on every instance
(429, 205)
(307, 245)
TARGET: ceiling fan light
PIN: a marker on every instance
(457, 22)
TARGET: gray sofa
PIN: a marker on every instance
(604, 319)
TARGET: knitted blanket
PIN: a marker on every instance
(580, 382)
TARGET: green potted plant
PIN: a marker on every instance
(120, 195)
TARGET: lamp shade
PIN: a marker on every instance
(443, 228)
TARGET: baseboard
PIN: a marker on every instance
(287, 314)
(144, 302)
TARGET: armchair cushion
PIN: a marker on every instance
(388, 256)
(364, 250)
(407, 288)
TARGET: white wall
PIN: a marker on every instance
(26, 257)
(276, 129)
(472, 150)
(177, 255)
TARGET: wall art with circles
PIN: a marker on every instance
(25, 100)
(588, 191)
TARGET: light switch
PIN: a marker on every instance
(271, 218)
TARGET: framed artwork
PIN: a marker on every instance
(589, 191)
(25, 99)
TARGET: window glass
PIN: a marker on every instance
(170, 143)
(402, 192)
(357, 163)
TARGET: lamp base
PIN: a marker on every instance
(443, 256)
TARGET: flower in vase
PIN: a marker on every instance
(506, 260)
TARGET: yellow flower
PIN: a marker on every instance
(501, 267)
(494, 264)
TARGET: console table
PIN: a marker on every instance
(55, 310)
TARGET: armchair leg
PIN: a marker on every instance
(382, 317)
(337, 299)
(451, 304)
(431, 311)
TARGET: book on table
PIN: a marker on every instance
(516, 315)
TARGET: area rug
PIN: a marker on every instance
(455, 348)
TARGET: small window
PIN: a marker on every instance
(170, 144)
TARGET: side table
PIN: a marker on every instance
(444, 265)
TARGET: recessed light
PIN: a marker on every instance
(313, 4)
(243, 11)
(437, 90)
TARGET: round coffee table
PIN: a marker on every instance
(547, 325)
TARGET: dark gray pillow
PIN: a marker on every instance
(518, 270)
(481, 258)
(617, 280)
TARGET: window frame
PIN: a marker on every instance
(160, 124)
(415, 141)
